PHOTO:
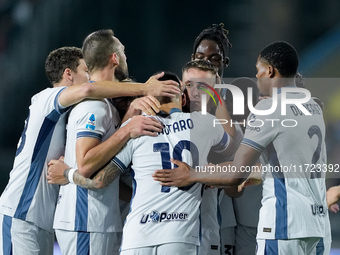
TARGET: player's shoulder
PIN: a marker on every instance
(47, 93)
(265, 103)
(99, 108)
(199, 116)
(46, 100)
(92, 104)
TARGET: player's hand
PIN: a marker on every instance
(249, 182)
(167, 88)
(148, 104)
(55, 172)
(178, 177)
(142, 125)
(334, 208)
(333, 195)
(253, 179)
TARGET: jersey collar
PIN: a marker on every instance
(174, 110)
(279, 90)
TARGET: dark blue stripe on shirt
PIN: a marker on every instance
(271, 247)
(6, 235)
(83, 243)
(81, 210)
(37, 164)
(119, 164)
(222, 145)
(89, 134)
(281, 224)
(320, 248)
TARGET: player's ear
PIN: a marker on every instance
(226, 62)
(184, 99)
(271, 71)
(115, 58)
(68, 74)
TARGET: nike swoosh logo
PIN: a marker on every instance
(117, 126)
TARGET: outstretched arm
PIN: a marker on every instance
(184, 175)
(110, 89)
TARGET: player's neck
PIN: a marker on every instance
(63, 83)
(168, 106)
(107, 74)
(282, 82)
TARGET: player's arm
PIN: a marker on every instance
(60, 173)
(92, 154)
(245, 157)
(184, 175)
(110, 89)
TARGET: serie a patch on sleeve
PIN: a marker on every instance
(91, 123)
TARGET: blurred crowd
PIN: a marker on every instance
(14, 15)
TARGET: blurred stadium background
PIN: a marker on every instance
(159, 35)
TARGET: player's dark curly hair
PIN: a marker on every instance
(60, 59)
(282, 56)
(216, 33)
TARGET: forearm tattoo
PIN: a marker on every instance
(102, 178)
(83, 182)
(107, 175)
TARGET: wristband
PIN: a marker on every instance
(70, 175)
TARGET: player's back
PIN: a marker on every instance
(166, 214)
(293, 186)
(28, 196)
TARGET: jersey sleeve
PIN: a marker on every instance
(57, 105)
(123, 159)
(92, 119)
(48, 102)
(261, 129)
(221, 139)
(222, 144)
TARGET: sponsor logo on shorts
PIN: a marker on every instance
(156, 217)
